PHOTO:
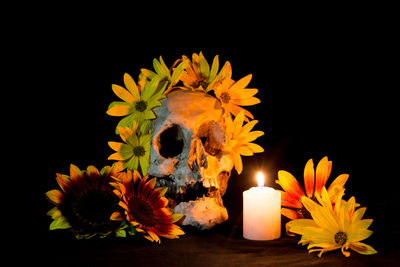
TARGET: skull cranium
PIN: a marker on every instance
(188, 155)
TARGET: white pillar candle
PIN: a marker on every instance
(261, 212)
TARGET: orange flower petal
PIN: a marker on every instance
(75, 173)
(55, 196)
(309, 178)
(339, 181)
(117, 216)
(290, 184)
(64, 182)
(323, 170)
(154, 236)
(291, 214)
(287, 200)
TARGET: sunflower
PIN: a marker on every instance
(333, 227)
(164, 73)
(145, 207)
(138, 101)
(85, 202)
(199, 76)
(313, 182)
(135, 151)
(235, 94)
(239, 138)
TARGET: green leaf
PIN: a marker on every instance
(120, 233)
(60, 223)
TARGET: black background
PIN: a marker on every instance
(325, 89)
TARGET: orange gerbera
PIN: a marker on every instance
(313, 183)
(145, 207)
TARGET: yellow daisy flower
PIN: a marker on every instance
(233, 95)
(333, 227)
(135, 151)
(138, 101)
(199, 76)
(240, 138)
(164, 73)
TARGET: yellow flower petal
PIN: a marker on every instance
(203, 66)
(243, 94)
(122, 93)
(359, 235)
(246, 101)
(255, 148)
(238, 162)
(241, 84)
(119, 110)
(362, 248)
(176, 217)
(245, 151)
(116, 146)
(131, 86)
(253, 136)
(297, 226)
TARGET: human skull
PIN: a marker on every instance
(188, 156)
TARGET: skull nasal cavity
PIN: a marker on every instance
(171, 142)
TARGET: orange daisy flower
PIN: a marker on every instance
(199, 76)
(314, 181)
(233, 95)
(145, 207)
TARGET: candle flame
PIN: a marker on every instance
(260, 179)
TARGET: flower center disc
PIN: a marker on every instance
(340, 238)
(225, 97)
(142, 212)
(202, 83)
(138, 151)
(141, 106)
(96, 206)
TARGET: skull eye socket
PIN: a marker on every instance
(170, 142)
(212, 136)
